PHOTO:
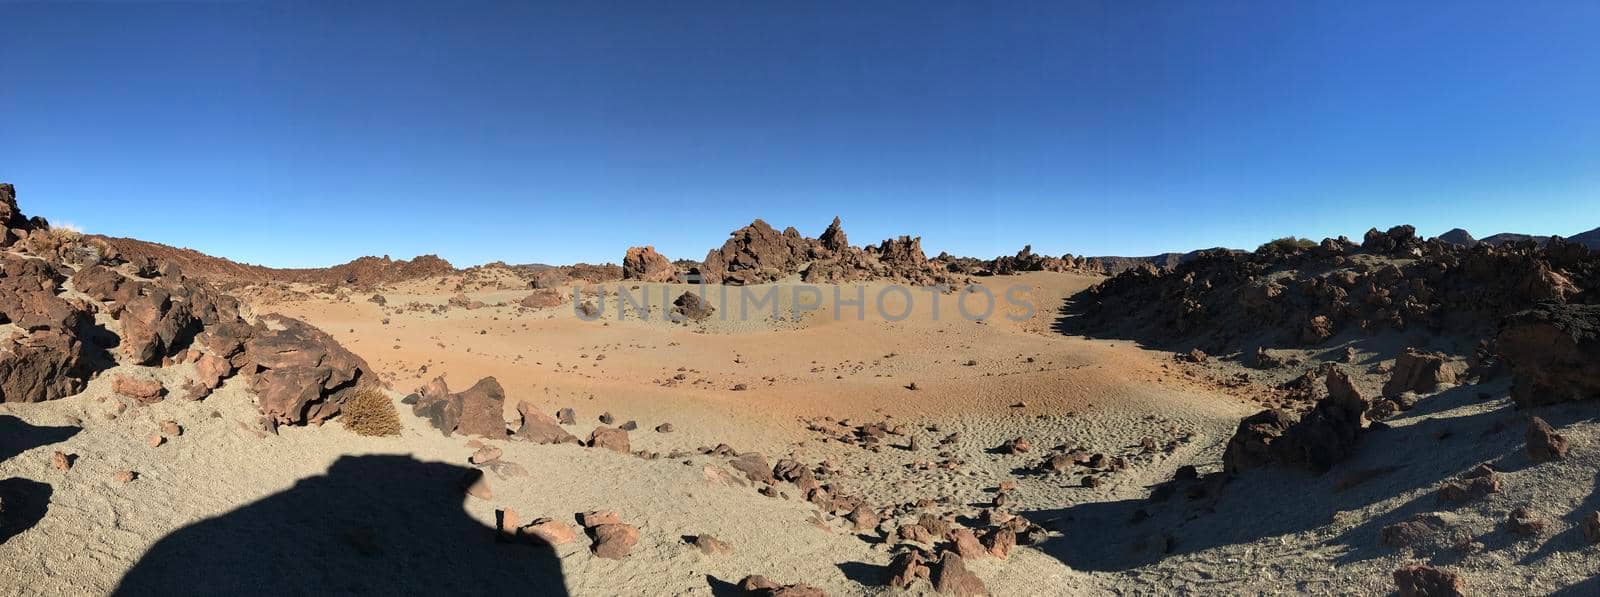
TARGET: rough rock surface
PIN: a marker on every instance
(474, 412)
(300, 373)
(1551, 351)
(690, 306)
(646, 265)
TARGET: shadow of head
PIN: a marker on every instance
(17, 436)
(372, 524)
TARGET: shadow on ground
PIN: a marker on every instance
(17, 436)
(1413, 459)
(372, 524)
(25, 501)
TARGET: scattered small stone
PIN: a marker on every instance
(664, 428)
(628, 426)
(549, 531)
(61, 461)
(1544, 444)
(567, 416)
(156, 440)
(711, 546)
(485, 454)
(125, 477)
(606, 418)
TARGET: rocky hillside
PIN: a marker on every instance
(363, 272)
(72, 307)
(1224, 302)
(1590, 239)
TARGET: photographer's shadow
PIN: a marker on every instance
(372, 524)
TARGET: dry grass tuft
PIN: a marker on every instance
(371, 412)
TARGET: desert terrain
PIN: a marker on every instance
(1396, 414)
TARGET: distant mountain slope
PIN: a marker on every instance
(365, 271)
(1458, 236)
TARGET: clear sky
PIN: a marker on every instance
(309, 134)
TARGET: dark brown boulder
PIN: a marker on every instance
(951, 577)
(1253, 443)
(1419, 371)
(1322, 438)
(1551, 351)
(756, 254)
(646, 265)
(1544, 444)
(540, 428)
(1421, 580)
(906, 567)
(481, 408)
(45, 358)
(690, 306)
(300, 374)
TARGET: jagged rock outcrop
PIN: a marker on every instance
(1553, 352)
(646, 265)
(476, 411)
(759, 254)
(1225, 302)
(299, 373)
(1322, 438)
(755, 254)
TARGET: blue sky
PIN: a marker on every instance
(309, 134)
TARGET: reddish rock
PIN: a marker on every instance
(540, 428)
(1544, 444)
(711, 546)
(609, 438)
(1420, 580)
(1000, 542)
(754, 466)
(125, 477)
(145, 390)
(613, 541)
(966, 544)
(61, 461)
(594, 518)
(906, 568)
(482, 406)
(171, 428)
(1419, 371)
(485, 454)
(951, 577)
(211, 370)
(300, 374)
(1016, 446)
(549, 531)
(646, 265)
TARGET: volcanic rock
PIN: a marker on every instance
(1551, 351)
(1420, 580)
(646, 265)
(1544, 444)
